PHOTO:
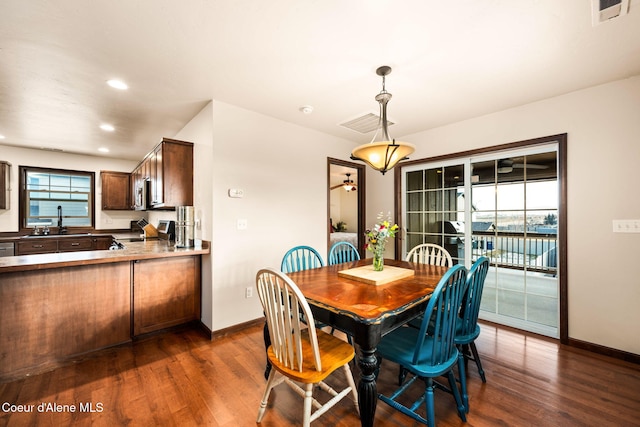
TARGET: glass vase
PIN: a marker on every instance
(378, 261)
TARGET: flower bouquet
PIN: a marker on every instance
(377, 239)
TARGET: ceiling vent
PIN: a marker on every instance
(365, 123)
(605, 10)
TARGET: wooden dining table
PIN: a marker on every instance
(367, 311)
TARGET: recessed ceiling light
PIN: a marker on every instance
(103, 149)
(117, 84)
(107, 127)
(306, 109)
(2, 137)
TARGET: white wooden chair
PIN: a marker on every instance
(430, 253)
(300, 353)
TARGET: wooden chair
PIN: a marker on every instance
(430, 253)
(426, 253)
(343, 252)
(467, 328)
(295, 259)
(301, 258)
(300, 353)
(428, 356)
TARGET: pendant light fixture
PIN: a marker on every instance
(382, 153)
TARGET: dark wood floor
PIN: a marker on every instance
(183, 379)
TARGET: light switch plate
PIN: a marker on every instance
(236, 193)
(626, 225)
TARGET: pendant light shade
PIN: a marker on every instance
(382, 153)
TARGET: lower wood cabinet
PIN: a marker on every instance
(36, 246)
(166, 292)
(101, 243)
(70, 245)
(50, 315)
(47, 245)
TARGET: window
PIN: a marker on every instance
(54, 197)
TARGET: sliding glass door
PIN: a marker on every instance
(435, 208)
(503, 205)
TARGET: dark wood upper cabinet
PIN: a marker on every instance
(116, 190)
(171, 174)
(164, 179)
(170, 167)
(4, 185)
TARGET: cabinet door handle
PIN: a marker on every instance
(37, 246)
(75, 244)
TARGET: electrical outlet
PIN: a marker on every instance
(248, 293)
(626, 225)
(241, 224)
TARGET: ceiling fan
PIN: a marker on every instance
(347, 184)
(508, 165)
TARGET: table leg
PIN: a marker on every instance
(267, 343)
(367, 390)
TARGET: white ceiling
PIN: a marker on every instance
(451, 60)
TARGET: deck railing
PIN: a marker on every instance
(531, 251)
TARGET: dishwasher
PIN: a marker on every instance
(6, 249)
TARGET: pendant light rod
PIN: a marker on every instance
(382, 153)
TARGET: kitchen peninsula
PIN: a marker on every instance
(55, 307)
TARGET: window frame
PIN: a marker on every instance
(24, 199)
(561, 140)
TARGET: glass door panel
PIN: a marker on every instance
(514, 217)
(433, 205)
(506, 204)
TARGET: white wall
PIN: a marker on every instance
(349, 209)
(603, 156)
(344, 207)
(200, 131)
(282, 169)
(9, 220)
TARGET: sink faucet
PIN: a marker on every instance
(61, 229)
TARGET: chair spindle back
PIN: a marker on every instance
(430, 253)
(470, 307)
(343, 252)
(442, 312)
(301, 258)
(282, 302)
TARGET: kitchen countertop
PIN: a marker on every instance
(148, 249)
(52, 236)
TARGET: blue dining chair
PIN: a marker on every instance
(428, 356)
(343, 252)
(467, 328)
(301, 258)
